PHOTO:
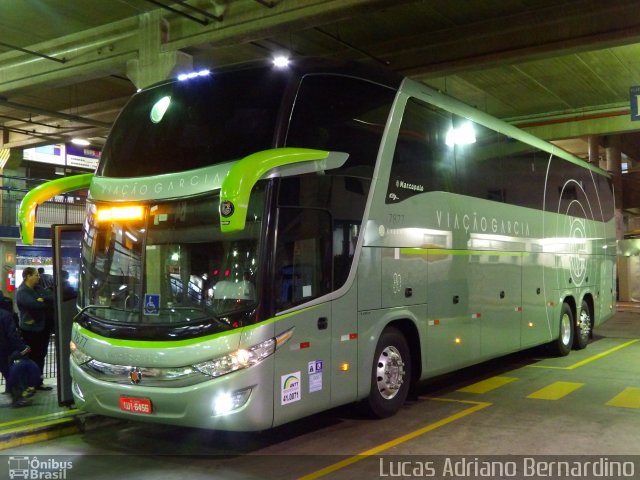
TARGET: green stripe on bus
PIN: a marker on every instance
(444, 251)
(182, 343)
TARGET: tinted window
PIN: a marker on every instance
(339, 113)
(422, 161)
(344, 198)
(194, 123)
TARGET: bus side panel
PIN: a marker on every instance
(344, 348)
(535, 328)
(454, 328)
(369, 278)
(404, 277)
(303, 365)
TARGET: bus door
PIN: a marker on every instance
(66, 241)
(302, 273)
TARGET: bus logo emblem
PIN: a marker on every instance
(135, 375)
(226, 208)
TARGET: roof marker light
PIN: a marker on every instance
(281, 61)
(188, 76)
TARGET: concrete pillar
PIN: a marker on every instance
(153, 64)
(614, 166)
(594, 150)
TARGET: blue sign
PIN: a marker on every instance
(634, 100)
(151, 304)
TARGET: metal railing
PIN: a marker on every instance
(60, 209)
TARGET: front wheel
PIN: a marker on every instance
(583, 327)
(562, 345)
(391, 372)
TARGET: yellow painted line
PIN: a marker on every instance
(590, 359)
(39, 437)
(555, 391)
(50, 416)
(487, 385)
(35, 426)
(393, 443)
(628, 398)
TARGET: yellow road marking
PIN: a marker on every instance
(590, 359)
(409, 436)
(49, 416)
(39, 437)
(555, 391)
(628, 398)
(487, 385)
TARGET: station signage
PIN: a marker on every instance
(64, 156)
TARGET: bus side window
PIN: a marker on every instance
(303, 256)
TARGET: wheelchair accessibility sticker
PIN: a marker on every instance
(151, 304)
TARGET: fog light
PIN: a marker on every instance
(229, 401)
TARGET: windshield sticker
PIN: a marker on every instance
(151, 304)
(290, 388)
(315, 376)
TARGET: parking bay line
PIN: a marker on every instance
(476, 406)
(588, 360)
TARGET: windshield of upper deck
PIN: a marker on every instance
(194, 123)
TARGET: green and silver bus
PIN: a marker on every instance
(266, 243)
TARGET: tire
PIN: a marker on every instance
(583, 327)
(562, 345)
(390, 375)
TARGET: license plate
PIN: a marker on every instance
(135, 405)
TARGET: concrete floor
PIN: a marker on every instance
(586, 405)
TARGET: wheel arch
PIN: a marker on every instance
(410, 332)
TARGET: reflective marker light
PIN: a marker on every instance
(187, 76)
(344, 367)
(132, 212)
(281, 61)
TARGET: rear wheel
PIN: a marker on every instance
(391, 372)
(583, 327)
(562, 345)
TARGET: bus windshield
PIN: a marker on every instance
(183, 125)
(172, 266)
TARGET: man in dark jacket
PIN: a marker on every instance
(33, 307)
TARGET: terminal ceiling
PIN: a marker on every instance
(562, 69)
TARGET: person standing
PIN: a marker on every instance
(12, 350)
(34, 305)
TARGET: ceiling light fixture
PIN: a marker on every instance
(80, 142)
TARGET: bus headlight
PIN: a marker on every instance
(237, 360)
(244, 357)
(78, 355)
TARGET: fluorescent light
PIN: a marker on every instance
(81, 142)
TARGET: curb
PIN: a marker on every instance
(48, 427)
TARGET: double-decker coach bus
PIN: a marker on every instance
(263, 244)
